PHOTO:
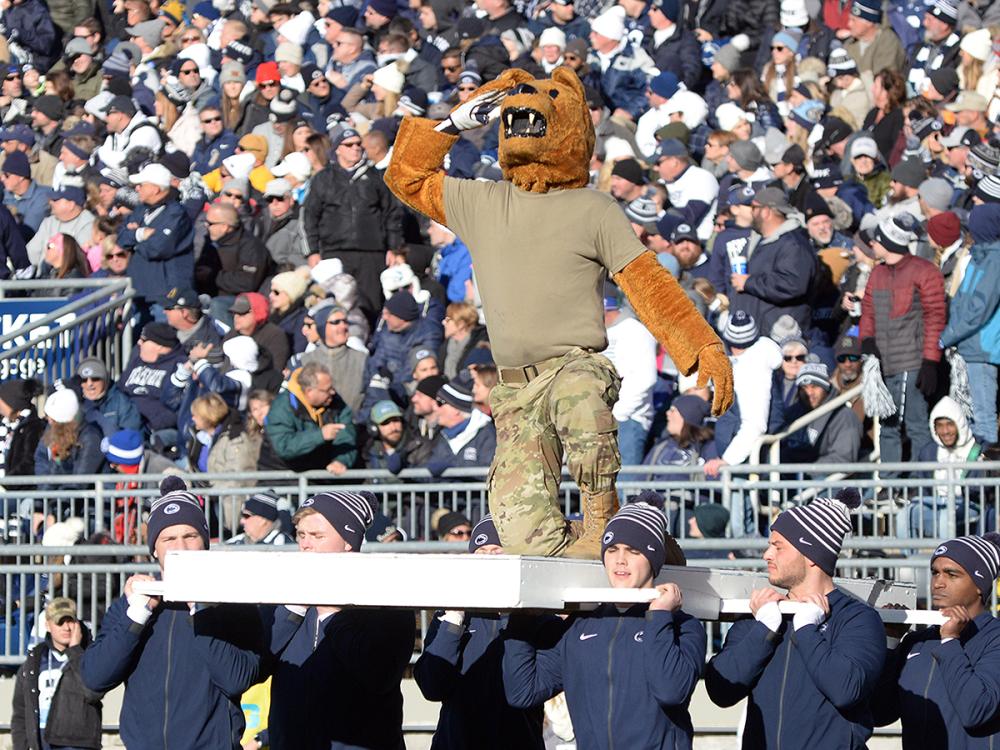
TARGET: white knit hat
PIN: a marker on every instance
(390, 78)
(326, 270)
(295, 164)
(395, 278)
(793, 13)
(552, 36)
(288, 52)
(240, 166)
(691, 106)
(610, 24)
(242, 352)
(978, 43)
(296, 29)
(729, 115)
(292, 283)
(62, 406)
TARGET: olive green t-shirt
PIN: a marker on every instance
(540, 261)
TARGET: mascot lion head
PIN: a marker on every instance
(546, 134)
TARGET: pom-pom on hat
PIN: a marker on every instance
(979, 556)
(817, 529)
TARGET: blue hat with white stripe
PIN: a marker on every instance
(124, 448)
(641, 525)
(350, 513)
(979, 556)
(817, 529)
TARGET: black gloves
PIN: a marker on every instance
(927, 379)
(868, 346)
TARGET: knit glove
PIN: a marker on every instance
(927, 379)
(475, 113)
(809, 614)
(138, 610)
(770, 615)
(394, 462)
(868, 346)
(437, 468)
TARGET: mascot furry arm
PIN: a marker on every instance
(415, 176)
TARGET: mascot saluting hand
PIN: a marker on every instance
(542, 245)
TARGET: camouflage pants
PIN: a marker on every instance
(566, 409)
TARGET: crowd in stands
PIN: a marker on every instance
(822, 179)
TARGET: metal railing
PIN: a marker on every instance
(95, 321)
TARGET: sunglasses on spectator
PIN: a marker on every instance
(13, 77)
(778, 48)
(466, 88)
(210, 120)
(848, 358)
(337, 322)
(231, 194)
(351, 144)
(188, 71)
(451, 68)
(122, 254)
(268, 84)
(794, 358)
(192, 39)
(309, 324)
(275, 199)
(460, 532)
(91, 380)
(571, 56)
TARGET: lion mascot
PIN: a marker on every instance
(542, 244)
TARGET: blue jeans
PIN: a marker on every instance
(631, 442)
(927, 517)
(911, 413)
(983, 385)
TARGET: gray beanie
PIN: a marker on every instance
(937, 193)
(747, 155)
(728, 57)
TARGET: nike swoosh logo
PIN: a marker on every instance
(978, 574)
(803, 541)
(910, 656)
(350, 529)
(472, 631)
(588, 636)
(650, 548)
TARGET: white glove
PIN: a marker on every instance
(453, 616)
(809, 614)
(28, 272)
(770, 615)
(475, 113)
(138, 610)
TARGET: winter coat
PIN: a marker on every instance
(285, 239)
(19, 459)
(184, 674)
(235, 450)
(964, 452)
(462, 668)
(680, 53)
(904, 309)
(390, 351)
(351, 211)
(454, 269)
(290, 321)
(74, 718)
(293, 439)
(855, 100)
(628, 676)
(946, 695)
(235, 263)
(737, 431)
(85, 458)
(974, 312)
(471, 443)
(336, 682)
(477, 336)
(781, 270)
(208, 154)
(834, 438)
(13, 251)
(144, 384)
(806, 688)
(31, 35)
(884, 53)
(165, 259)
(114, 411)
(623, 84)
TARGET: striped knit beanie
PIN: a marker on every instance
(350, 513)
(175, 507)
(263, 504)
(813, 373)
(740, 330)
(483, 533)
(817, 529)
(979, 556)
(642, 526)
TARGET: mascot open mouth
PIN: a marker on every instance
(524, 122)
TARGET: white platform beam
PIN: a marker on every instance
(457, 581)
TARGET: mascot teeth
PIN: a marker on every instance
(524, 123)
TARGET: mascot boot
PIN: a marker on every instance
(543, 243)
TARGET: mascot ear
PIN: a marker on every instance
(566, 76)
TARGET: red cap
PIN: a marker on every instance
(267, 71)
(944, 229)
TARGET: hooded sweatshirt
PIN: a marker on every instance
(965, 449)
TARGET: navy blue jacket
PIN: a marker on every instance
(781, 278)
(183, 674)
(628, 676)
(12, 247)
(389, 354)
(86, 458)
(623, 84)
(807, 688)
(336, 683)
(462, 668)
(165, 259)
(946, 694)
(30, 25)
(145, 385)
(113, 412)
(208, 155)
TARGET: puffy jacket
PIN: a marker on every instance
(351, 211)
(904, 309)
(285, 239)
(292, 440)
(390, 350)
(628, 676)
(807, 688)
(679, 53)
(32, 36)
(74, 718)
(235, 263)
(462, 668)
(183, 673)
(114, 411)
(974, 311)
(623, 84)
(946, 695)
(165, 259)
(781, 270)
(454, 269)
(336, 682)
